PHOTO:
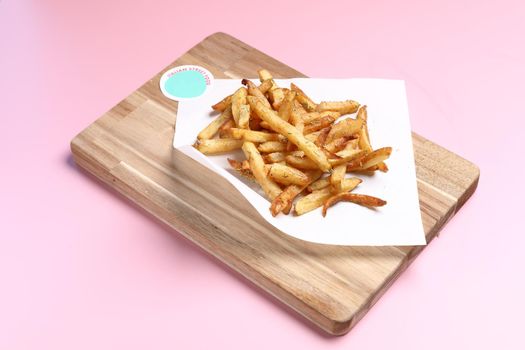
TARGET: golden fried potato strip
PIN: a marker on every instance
(217, 146)
(361, 199)
(269, 187)
(209, 131)
(317, 198)
(343, 107)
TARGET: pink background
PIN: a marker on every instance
(81, 268)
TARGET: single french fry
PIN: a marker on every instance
(223, 130)
(209, 131)
(317, 198)
(350, 157)
(335, 145)
(265, 86)
(291, 147)
(319, 123)
(296, 113)
(345, 128)
(254, 136)
(244, 117)
(349, 148)
(301, 163)
(361, 199)
(255, 121)
(319, 184)
(382, 167)
(286, 175)
(269, 187)
(285, 109)
(238, 99)
(364, 137)
(265, 125)
(255, 92)
(276, 97)
(337, 176)
(364, 140)
(265, 75)
(310, 116)
(275, 157)
(222, 104)
(216, 146)
(343, 107)
(290, 132)
(303, 99)
(321, 138)
(283, 202)
(272, 146)
(369, 160)
(350, 183)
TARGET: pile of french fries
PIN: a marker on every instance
(298, 151)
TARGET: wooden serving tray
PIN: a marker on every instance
(130, 149)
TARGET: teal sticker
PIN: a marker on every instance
(185, 82)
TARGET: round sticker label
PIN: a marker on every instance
(185, 82)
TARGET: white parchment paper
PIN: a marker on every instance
(397, 223)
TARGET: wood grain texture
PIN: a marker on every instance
(130, 149)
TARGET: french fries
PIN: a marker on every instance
(276, 97)
(244, 116)
(265, 75)
(298, 151)
(238, 99)
(336, 179)
(271, 189)
(212, 128)
(283, 202)
(303, 99)
(319, 123)
(224, 129)
(319, 184)
(222, 104)
(285, 109)
(317, 198)
(272, 146)
(343, 107)
(287, 175)
(369, 160)
(355, 154)
(266, 85)
(216, 146)
(241, 168)
(335, 145)
(297, 113)
(345, 128)
(301, 162)
(255, 92)
(253, 136)
(275, 157)
(295, 136)
(364, 138)
(361, 199)
(320, 139)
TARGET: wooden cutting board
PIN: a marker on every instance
(130, 149)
